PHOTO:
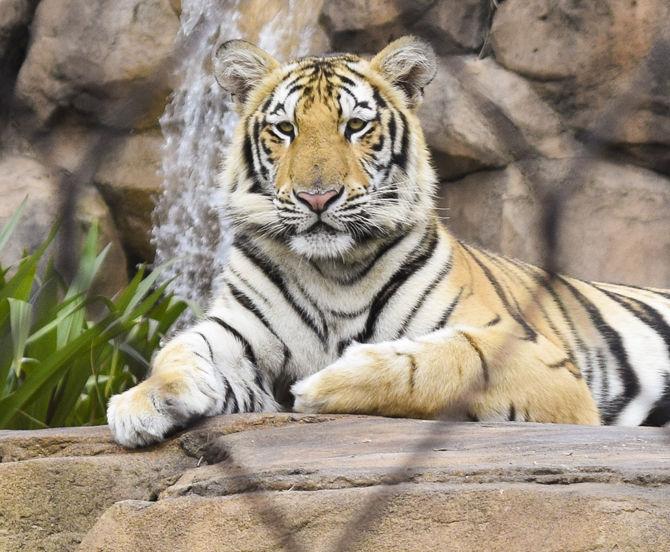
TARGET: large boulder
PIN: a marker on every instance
(55, 483)
(612, 219)
(104, 60)
(452, 26)
(268, 482)
(23, 178)
(605, 66)
(478, 115)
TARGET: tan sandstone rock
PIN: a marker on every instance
(369, 25)
(605, 66)
(613, 222)
(476, 115)
(420, 517)
(104, 60)
(65, 478)
(284, 481)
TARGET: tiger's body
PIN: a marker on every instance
(345, 292)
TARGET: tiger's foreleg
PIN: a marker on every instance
(462, 373)
(206, 370)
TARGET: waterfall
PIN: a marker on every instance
(198, 124)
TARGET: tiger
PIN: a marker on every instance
(344, 292)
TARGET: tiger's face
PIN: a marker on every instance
(329, 153)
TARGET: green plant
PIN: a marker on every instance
(58, 367)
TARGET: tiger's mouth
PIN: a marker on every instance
(320, 227)
(321, 240)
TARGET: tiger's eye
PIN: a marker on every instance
(285, 127)
(355, 124)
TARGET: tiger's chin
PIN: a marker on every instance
(322, 244)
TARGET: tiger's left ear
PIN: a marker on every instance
(239, 66)
(409, 64)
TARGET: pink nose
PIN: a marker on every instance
(318, 202)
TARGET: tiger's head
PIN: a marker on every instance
(329, 153)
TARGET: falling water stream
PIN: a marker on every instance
(198, 124)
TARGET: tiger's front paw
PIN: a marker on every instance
(180, 390)
(136, 417)
(358, 382)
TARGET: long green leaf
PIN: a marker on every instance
(20, 316)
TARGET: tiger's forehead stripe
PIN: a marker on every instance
(329, 80)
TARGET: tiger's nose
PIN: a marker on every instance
(319, 201)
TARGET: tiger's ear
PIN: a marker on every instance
(409, 64)
(239, 66)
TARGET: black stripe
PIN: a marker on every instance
(302, 75)
(248, 351)
(267, 103)
(271, 272)
(253, 400)
(447, 313)
(379, 145)
(544, 279)
(480, 354)
(349, 315)
(248, 156)
(358, 276)
(293, 89)
(392, 129)
(426, 292)
(246, 302)
(256, 186)
(257, 140)
(343, 344)
(493, 322)
(313, 304)
(659, 415)
(230, 395)
(531, 334)
(345, 89)
(613, 339)
(643, 312)
(659, 292)
(508, 266)
(279, 107)
(421, 255)
(209, 347)
(400, 159)
(381, 103)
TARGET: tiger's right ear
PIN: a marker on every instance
(239, 66)
(409, 64)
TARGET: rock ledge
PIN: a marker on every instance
(296, 482)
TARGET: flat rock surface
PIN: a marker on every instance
(298, 482)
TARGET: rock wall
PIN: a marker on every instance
(532, 97)
(306, 483)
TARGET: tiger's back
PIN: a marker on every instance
(617, 335)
